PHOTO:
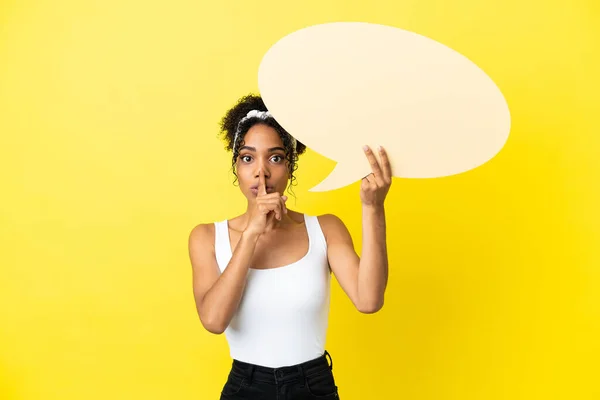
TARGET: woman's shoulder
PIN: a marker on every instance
(329, 219)
(203, 232)
(331, 225)
(206, 230)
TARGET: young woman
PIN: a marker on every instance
(263, 277)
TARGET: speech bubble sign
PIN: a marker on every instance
(338, 86)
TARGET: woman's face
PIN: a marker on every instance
(263, 149)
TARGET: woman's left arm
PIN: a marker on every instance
(363, 279)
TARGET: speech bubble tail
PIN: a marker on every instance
(342, 175)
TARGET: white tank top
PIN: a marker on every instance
(283, 315)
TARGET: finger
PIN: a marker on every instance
(365, 185)
(270, 212)
(283, 200)
(270, 218)
(372, 160)
(273, 204)
(278, 208)
(262, 185)
(370, 181)
(385, 163)
(265, 209)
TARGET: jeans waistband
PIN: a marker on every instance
(282, 374)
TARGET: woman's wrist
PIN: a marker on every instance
(250, 236)
(373, 209)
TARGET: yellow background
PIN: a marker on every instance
(109, 156)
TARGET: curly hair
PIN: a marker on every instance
(231, 120)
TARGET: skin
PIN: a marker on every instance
(269, 235)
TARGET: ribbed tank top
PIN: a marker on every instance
(283, 315)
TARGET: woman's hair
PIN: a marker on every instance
(231, 121)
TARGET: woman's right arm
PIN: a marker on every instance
(217, 295)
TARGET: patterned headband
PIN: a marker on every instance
(262, 115)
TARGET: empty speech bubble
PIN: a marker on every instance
(338, 86)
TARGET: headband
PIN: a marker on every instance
(262, 115)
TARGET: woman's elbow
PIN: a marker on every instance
(370, 308)
(213, 326)
(214, 330)
(212, 322)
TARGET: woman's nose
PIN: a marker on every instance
(264, 169)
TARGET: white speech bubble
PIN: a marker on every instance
(338, 86)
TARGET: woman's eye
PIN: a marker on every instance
(246, 158)
(279, 158)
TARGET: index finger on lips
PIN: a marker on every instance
(262, 185)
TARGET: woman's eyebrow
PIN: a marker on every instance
(254, 148)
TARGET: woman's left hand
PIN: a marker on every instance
(375, 186)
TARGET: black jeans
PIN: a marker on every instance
(306, 381)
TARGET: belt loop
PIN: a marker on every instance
(250, 375)
(330, 359)
(302, 374)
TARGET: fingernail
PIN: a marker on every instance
(379, 147)
(365, 148)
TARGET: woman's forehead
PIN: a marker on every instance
(261, 135)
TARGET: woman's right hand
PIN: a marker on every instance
(267, 208)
